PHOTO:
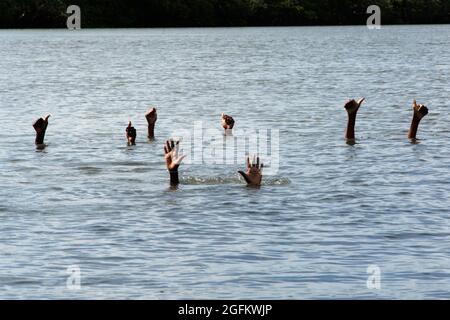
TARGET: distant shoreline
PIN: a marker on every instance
(31, 14)
(231, 27)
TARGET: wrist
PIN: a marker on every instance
(228, 132)
(40, 138)
(416, 119)
(174, 180)
(414, 127)
(352, 116)
(151, 130)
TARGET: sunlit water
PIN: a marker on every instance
(310, 232)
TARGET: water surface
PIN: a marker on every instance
(91, 201)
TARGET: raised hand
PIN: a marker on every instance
(227, 123)
(173, 160)
(352, 107)
(420, 111)
(253, 176)
(131, 134)
(151, 117)
(40, 126)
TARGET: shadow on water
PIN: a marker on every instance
(41, 147)
(415, 141)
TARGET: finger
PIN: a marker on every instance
(257, 162)
(248, 162)
(47, 116)
(254, 161)
(180, 159)
(176, 150)
(361, 101)
(165, 150)
(172, 144)
(244, 175)
(415, 103)
(169, 148)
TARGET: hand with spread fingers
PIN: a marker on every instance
(420, 111)
(352, 107)
(253, 176)
(131, 134)
(173, 160)
(151, 117)
(40, 126)
(227, 123)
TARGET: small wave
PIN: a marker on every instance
(141, 170)
(209, 181)
(190, 180)
(129, 163)
(90, 170)
(16, 160)
(276, 182)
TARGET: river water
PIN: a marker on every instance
(327, 213)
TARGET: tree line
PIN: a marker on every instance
(215, 13)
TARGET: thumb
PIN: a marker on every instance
(180, 159)
(245, 176)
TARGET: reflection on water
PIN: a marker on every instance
(41, 147)
(311, 231)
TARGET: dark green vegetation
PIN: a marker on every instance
(206, 13)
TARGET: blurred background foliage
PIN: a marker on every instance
(212, 13)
